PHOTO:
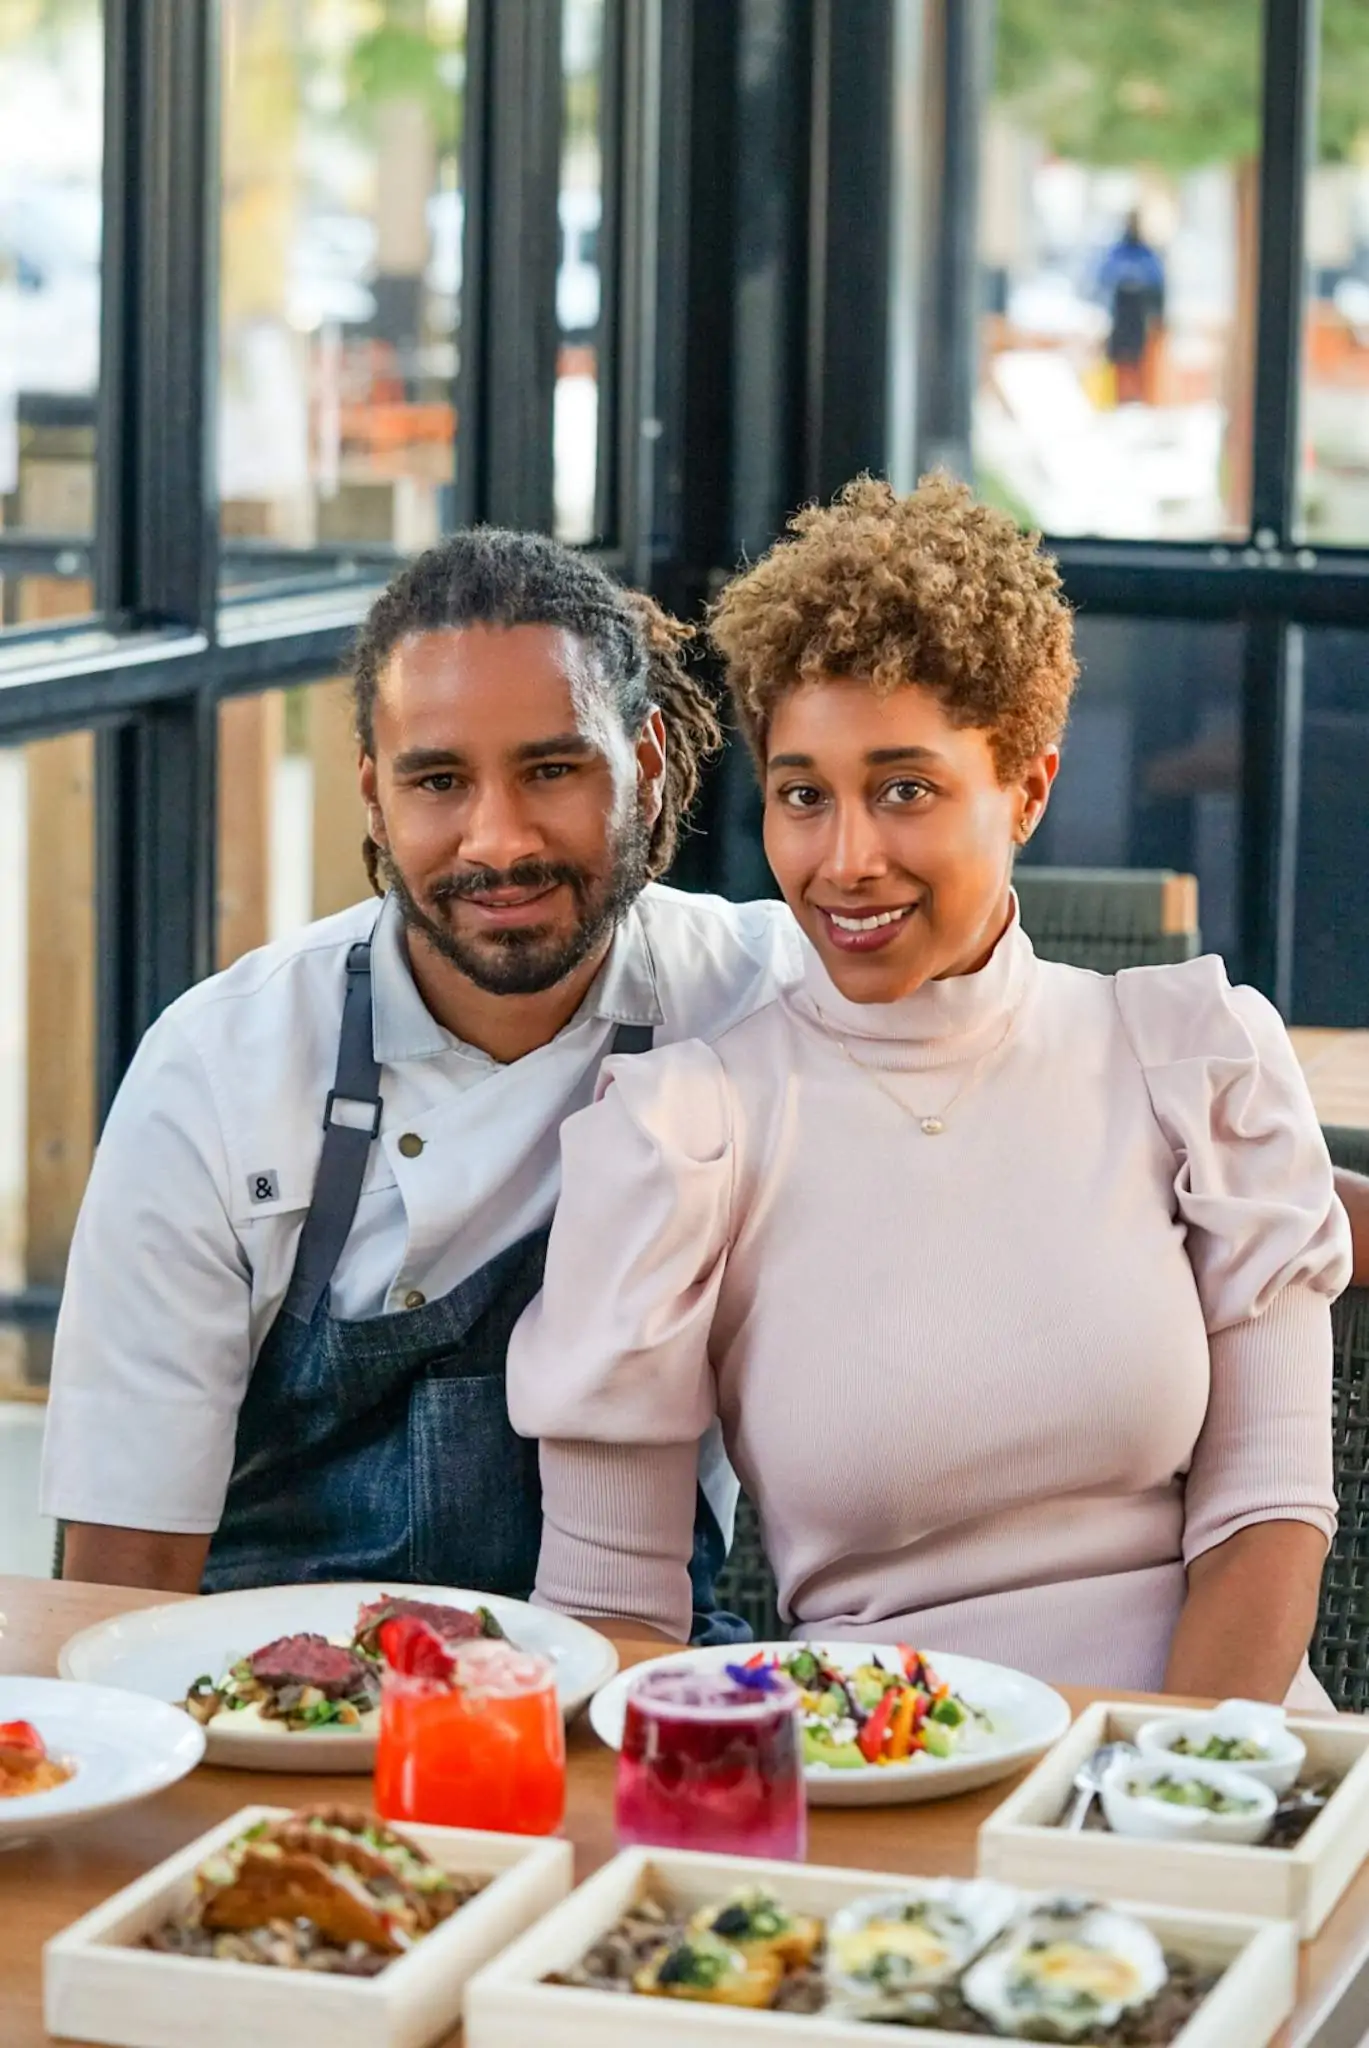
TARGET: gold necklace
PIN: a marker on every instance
(933, 1125)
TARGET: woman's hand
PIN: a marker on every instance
(1249, 1615)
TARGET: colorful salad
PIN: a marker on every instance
(874, 1715)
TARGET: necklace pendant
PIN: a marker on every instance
(932, 1126)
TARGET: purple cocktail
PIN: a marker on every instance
(711, 1760)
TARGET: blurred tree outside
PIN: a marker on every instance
(1175, 86)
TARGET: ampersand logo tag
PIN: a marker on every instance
(264, 1187)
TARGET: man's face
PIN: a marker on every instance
(512, 811)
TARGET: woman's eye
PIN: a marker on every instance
(801, 796)
(905, 791)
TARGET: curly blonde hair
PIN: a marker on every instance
(934, 589)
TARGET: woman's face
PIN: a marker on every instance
(891, 835)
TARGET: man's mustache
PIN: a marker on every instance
(526, 874)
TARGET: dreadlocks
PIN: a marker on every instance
(489, 576)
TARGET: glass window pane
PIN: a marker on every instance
(51, 140)
(1334, 493)
(340, 279)
(1330, 959)
(47, 1037)
(290, 818)
(31, 600)
(1152, 762)
(578, 277)
(1118, 249)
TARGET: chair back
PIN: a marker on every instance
(1110, 918)
(1340, 1648)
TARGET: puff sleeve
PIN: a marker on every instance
(609, 1367)
(1267, 1239)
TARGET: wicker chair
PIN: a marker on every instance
(1340, 1648)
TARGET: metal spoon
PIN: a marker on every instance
(1088, 1780)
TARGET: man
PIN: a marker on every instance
(321, 1198)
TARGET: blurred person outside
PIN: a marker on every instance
(1131, 281)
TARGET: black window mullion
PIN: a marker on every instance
(509, 334)
(157, 539)
(612, 122)
(1271, 737)
(1288, 127)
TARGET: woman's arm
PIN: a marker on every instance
(1353, 1189)
(609, 1367)
(1249, 1615)
(617, 1535)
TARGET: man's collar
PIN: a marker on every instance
(623, 992)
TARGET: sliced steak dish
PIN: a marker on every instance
(310, 1660)
(303, 1681)
(453, 1624)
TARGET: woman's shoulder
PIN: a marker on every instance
(1191, 1010)
(686, 1095)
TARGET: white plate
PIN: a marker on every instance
(123, 1748)
(1026, 1716)
(163, 1650)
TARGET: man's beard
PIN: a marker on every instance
(527, 960)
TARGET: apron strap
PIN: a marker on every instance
(347, 1146)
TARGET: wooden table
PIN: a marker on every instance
(47, 1885)
(1336, 1064)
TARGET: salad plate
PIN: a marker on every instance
(69, 1751)
(884, 1725)
(284, 1678)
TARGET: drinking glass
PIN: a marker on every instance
(711, 1760)
(485, 1748)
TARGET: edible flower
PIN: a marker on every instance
(756, 1675)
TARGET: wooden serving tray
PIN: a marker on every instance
(97, 1987)
(1019, 1843)
(508, 2006)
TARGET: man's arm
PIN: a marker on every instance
(1353, 1189)
(134, 1557)
(153, 1345)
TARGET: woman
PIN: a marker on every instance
(1010, 1283)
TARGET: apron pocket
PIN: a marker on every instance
(477, 1497)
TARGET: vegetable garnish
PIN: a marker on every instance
(872, 1716)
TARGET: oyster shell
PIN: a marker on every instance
(898, 1957)
(1067, 1968)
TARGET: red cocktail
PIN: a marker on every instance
(471, 1738)
(710, 1760)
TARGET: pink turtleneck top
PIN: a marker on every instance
(990, 1389)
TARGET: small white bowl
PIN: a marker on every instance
(1131, 1813)
(1246, 1720)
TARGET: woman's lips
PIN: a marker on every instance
(864, 931)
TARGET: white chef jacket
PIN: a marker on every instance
(186, 1239)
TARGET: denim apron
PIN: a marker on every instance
(382, 1449)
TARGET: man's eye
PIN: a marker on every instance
(552, 771)
(906, 791)
(439, 783)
